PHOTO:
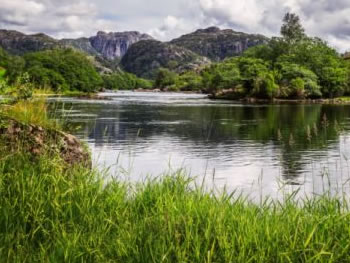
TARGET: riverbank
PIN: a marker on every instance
(52, 214)
(251, 100)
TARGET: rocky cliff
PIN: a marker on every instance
(145, 57)
(218, 44)
(115, 45)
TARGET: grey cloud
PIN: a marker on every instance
(168, 19)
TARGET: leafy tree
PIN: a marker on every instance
(292, 30)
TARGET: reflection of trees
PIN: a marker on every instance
(292, 129)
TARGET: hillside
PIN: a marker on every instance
(218, 44)
(18, 43)
(145, 57)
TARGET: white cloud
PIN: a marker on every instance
(168, 19)
(64, 18)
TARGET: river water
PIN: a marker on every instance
(261, 150)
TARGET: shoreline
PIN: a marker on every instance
(345, 100)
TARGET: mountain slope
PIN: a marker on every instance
(115, 45)
(145, 57)
(18, 43)
(218, 44)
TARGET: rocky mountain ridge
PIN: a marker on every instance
(218, 44)
(145, 57)
(139, 53)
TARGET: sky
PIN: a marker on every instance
(167, 19)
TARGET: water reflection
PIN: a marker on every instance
(250, 147)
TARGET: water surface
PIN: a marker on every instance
(253, 148)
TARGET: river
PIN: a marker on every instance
(261, 150)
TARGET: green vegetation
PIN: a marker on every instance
(63, 71)
(125, 81)
(51, 214)
(292, 66)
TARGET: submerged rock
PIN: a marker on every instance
(37, 141)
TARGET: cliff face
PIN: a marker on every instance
(115, 45)
(19, 43)
(82, 44)
(218, 44)
(145, 57)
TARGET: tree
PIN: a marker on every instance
(292, 30)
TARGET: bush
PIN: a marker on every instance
(165, 78)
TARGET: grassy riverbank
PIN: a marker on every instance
(49, 213)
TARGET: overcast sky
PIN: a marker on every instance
(166, 19)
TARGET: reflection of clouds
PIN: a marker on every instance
(239, 143)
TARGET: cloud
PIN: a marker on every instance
(165, 20)
(329, 20)
(64, 18)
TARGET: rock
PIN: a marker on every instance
(37, 140)
(115, 45)
(18, 43)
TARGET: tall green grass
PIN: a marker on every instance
(32, 112)
(51, 214)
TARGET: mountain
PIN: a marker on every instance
(139, 53)
(82, 44)
(218, 44)
(115, 45)
(110, 46)
(18, 43)
(145, 57)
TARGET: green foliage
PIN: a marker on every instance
(14, 65)
(292, 30)
(298, 86)
(292, 66)
(165, 79)
(290, 71)
(62, 69)
(125, 81)
(189, 81)
(2, 73)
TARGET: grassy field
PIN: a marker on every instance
(51, 213)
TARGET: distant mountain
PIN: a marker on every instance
(140, 53)
(218, 44)
(115, 45)
(110, 46)
(145, 57)
(19, 43)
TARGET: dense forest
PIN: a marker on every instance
(293, 66)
